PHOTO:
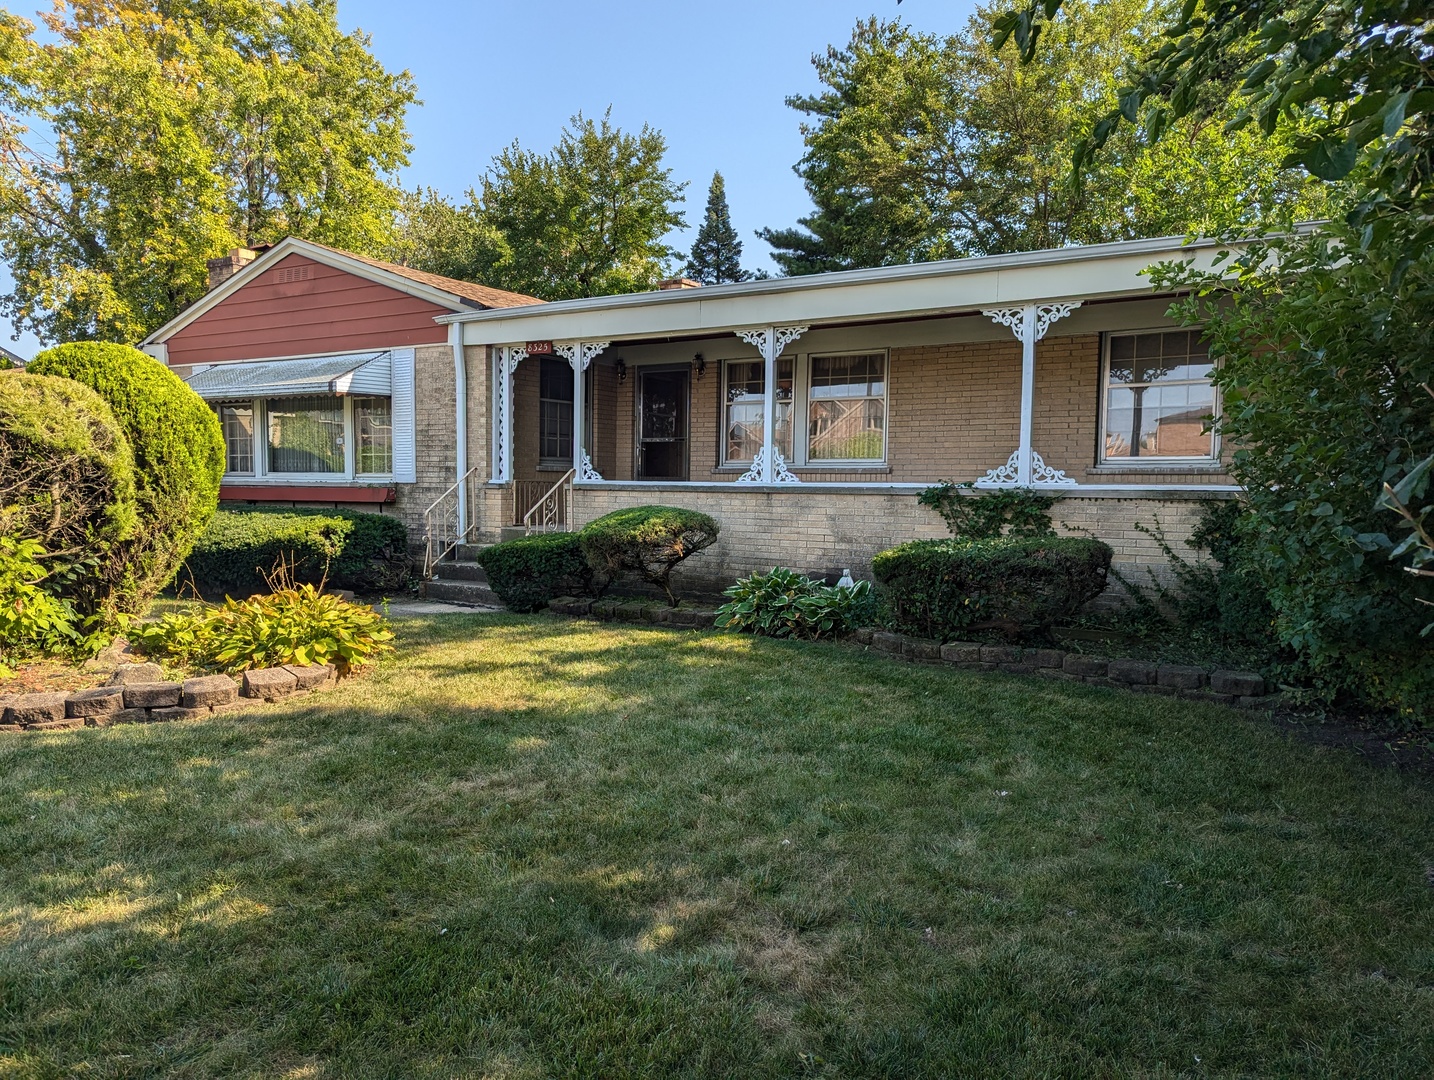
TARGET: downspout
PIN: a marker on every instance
(460, 425)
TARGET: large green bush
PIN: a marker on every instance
(178, 462)
(1326, 351)
(66, 471)
(239, 549)
(528, 572)
(1017, 585)
(646, 540)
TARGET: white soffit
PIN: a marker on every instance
(355, 373)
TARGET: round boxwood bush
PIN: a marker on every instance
(647, 540)
(178, 462)
(1017, 585)
(66, 472)
(528, 572)
(348, 549)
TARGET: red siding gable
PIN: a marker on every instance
(300, 307)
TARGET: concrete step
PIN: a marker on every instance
(461, 592)
(468, 552)
(460, 570)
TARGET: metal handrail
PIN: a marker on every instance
(447, 536)
(556, 506)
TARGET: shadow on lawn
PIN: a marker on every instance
(537, 844)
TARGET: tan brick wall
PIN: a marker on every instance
(435, 426)
(819, 531)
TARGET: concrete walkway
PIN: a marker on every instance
(421, 609)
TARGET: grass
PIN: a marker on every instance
(533, 848)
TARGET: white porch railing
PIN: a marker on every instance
(553, 512)
(442, 529)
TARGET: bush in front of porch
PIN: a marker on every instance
(647, 540)
(528, 572)
(1016, 585)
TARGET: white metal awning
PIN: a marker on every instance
(354, 373)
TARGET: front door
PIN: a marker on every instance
(662, 425)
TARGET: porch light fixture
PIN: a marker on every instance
(621, 370)
(700, 364)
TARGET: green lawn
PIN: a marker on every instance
(527, 848)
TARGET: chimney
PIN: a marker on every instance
(669, 284)
(225, 267)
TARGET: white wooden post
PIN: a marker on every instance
(768, 467)
(579, 354)
(1029, 323)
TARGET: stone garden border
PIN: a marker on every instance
(136, 693)
(1242, 689)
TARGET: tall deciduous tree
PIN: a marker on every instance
(716, 253)
(153, 134)
(924, 147)
(588, 218)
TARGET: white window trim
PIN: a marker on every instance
(262, 472)
(801, 412)
(1137, 461)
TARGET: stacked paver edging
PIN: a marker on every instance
(627, 609)
(1244, 689)
(136, 695)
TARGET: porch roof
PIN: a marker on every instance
(1095, 272)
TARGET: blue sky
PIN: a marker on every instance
(711, 77)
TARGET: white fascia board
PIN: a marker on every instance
(294, 246)
(1107, 271)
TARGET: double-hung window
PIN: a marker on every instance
(555, 413)
(1158, 399)
(319, 436)
(830, 409)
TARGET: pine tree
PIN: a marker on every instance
(717, 253)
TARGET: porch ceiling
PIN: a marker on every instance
(1100, 272)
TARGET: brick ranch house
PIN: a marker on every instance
(804, 414)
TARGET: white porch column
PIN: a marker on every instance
(1029, 323)
(579, 354)
(505, 361)
(768, 465)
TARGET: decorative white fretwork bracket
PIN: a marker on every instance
(1029, 323)
(579, 354)
(768, 465)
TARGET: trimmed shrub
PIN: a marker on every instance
(295, 624)
(178, 463)
(528, 572)
(939, 588)
(785, 603)
(348, 549)
(646, 540)
(66, 471)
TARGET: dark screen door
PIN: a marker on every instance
(662, 425)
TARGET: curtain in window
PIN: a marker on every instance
(373, 423)
(306, 435)
(746, 417)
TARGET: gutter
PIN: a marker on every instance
(460, 424)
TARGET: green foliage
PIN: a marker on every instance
(169, 132)
(32, 620)
(588, 218)
(987, 515)
(239, 549)
(178, 463)
(1020, 586)
(528, 572)
(1325, 346)
(291, 625)
(66, 470)
(646, 540)
(1348, 82)
(923, 147)
(716, 253)
(784, 603)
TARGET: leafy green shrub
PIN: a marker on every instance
(32, 621)
(66, 471)
(647, 540)
(364, 552)
(985, 516)
(178, 463)
(784, 603)
(938, 588)
(528, 572)
(292, 625)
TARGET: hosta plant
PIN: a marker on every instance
(296, 625)
(784, 603)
